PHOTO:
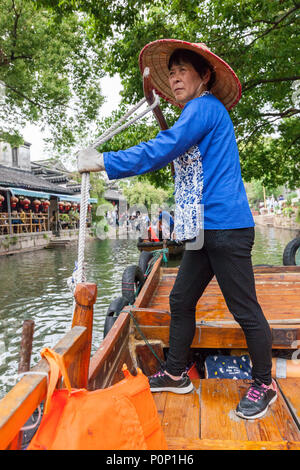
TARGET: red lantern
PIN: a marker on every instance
(89, 208)
(67, 206)
(36, 204)
(46, 205)
(74, 206)
(25, 202)
(61, 206)
(1, 199)
(13, 201)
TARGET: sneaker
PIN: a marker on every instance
(162, 382)
(257, 400)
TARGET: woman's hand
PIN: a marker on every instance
(90, 160)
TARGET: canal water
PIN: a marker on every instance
(34, 285)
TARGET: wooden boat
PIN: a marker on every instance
(175, 249)
(205, 418)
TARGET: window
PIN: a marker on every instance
(15, 159)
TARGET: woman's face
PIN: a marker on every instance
(185, 82)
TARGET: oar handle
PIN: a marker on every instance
(148, 92)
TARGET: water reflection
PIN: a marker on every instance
(34, 285)
(270, 243)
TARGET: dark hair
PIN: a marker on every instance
(200, 64)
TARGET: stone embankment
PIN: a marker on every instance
(24, 242)
(277, 221)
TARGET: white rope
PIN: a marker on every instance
(112, 131)
(20, 375)
(85, 191)
(33, 372)
(85, 181)
(122, 119)
(34, 425)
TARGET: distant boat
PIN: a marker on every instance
(175, 249)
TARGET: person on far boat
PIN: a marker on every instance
(212, 212)
(165, 224)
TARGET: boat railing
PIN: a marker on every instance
(99, 371)
(75, 348)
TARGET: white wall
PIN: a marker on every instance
(23, 156)
(5, 154)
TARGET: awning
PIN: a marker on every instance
(65, 197)
(42, 195)
(29, 193)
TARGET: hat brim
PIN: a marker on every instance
(156, 55)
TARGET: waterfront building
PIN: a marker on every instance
(36, 196)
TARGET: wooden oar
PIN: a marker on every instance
(148, 92)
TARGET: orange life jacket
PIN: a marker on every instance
(152, 235)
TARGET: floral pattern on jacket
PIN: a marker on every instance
(188, 194)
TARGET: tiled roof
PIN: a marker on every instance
(14, 177)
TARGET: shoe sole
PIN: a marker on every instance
(258, 415)
(178, 390)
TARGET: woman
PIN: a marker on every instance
(209, 195)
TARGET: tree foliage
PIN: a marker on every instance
(258, 38)
(144, 193)
(49, 71)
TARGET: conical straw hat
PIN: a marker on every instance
(156, 55)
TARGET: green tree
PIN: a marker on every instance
(258, 38)
(144, 193)
(49, 71)
(255, 192)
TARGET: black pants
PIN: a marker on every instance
(227, 255)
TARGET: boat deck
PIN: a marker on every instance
(205, 418)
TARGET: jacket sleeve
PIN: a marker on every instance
(192, 125)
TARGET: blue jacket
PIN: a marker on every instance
(203, 147)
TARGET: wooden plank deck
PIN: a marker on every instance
(205, 418)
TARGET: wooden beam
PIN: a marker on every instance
(150, 285)
(180, 443)
(109, 355)
(85, 297)
(289, 388)
(222, 336)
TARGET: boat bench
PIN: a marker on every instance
(278, 292)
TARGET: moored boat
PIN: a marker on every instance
(204, 418)
(175, 249)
